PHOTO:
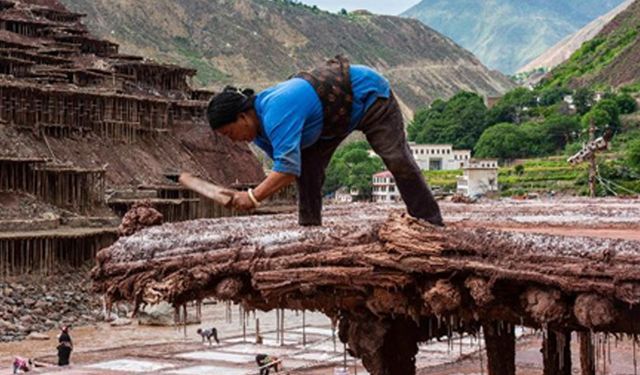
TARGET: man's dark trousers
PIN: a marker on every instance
(383, 126)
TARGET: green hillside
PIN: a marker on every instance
(610, 59)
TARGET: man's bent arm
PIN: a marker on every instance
(274, 182)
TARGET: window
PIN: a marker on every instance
(435, 164)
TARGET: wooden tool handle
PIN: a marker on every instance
(212, 191)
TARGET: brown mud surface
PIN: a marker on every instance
(393, 281)
(579, 229)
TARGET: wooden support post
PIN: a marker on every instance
(587, 354)
(387, 346)
(592, 162)
(304, 329)
(556, 353)
(258, 338)
(500, 341)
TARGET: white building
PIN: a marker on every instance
(343, 195)
(384, 188)
(480, 177)
(439, 157)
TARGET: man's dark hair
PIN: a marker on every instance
(225, 107)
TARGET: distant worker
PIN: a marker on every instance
(208, 334)
(65, 347)
(266, 363)
(21, 365)
(299, 123)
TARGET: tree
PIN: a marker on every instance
(626, 104)
(583, 100)
(459, 121)
(632, 153)
(422, 116)
(512, 107)
(559, 130)
(352, 167)
(504, 141)
(611, 107)
(600, 118)
(552, 95)
(536, 140)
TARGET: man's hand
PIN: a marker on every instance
(241, 201)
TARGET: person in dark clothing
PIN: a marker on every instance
(299, 123)
(266, 363)
(65, 347)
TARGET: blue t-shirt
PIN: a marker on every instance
(291, 118)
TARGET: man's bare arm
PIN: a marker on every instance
(272, 184)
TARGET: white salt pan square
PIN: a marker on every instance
(211, 370)
(130, 365)
(314, 330)
(273, 342)
(313, 356)
(256, 349)
(326, 346)
(218, 356)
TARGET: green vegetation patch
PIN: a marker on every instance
(594, 56)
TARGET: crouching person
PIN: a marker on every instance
(266, 363)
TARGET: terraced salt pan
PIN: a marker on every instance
(218, 356)
(272, 342)
(130, 365)
(256, 349)
(315, 331)
(210, 370)
(325, 346)
(319, 356)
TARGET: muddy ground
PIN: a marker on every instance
(101, 343)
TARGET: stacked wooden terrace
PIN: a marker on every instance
(88, 132)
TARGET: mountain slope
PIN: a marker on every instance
(259, 42)
(609, 59)
(507, 34)
(563, 50)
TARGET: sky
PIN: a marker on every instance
(392, 7)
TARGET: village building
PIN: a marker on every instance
(384, 188)
(480, 177)
(343, 195)
(436, 157)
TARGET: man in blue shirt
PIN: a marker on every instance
(300, 122)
